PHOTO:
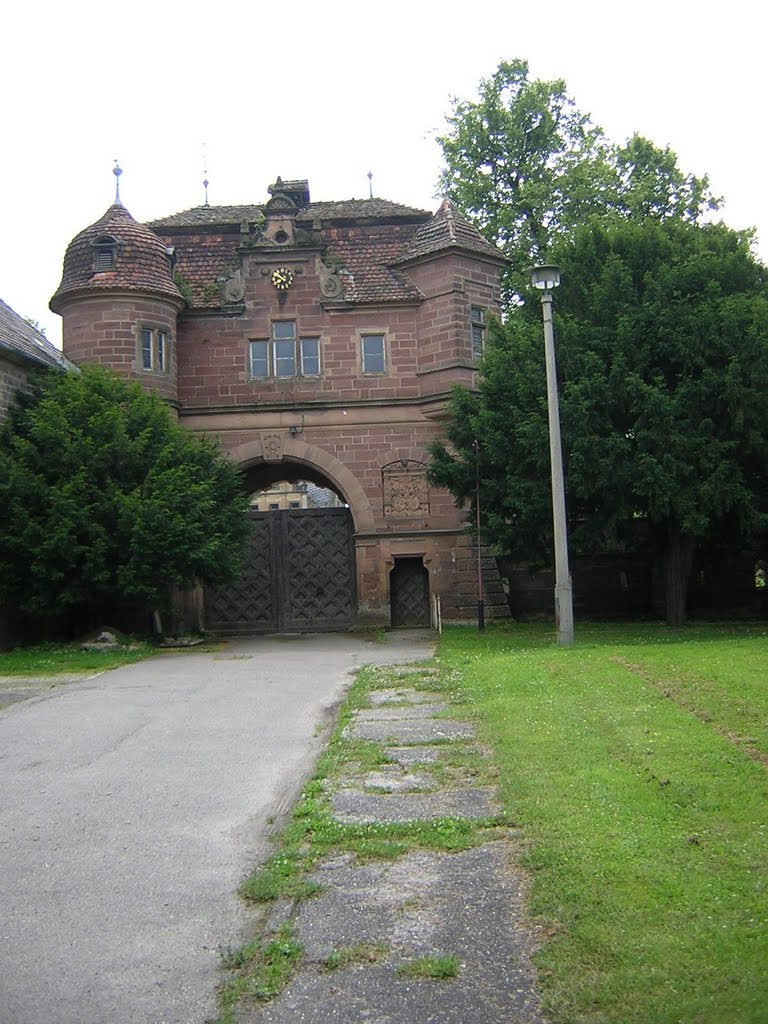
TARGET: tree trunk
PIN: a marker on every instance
(678, 558)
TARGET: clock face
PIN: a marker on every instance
(282, 279)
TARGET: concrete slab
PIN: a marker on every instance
(404, 695)
(417, 754)
(404, 731)
(468, 904)
(354, 807)
(395, 780)
(401, 712)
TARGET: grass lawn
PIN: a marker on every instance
(636, 764)
(66, 659)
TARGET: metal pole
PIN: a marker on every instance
(480, 601)
(563, 593)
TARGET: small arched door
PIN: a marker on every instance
(409, 592)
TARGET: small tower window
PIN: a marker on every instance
(478, 332)
(154, 350)
(104, 253)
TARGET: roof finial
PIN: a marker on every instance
(205, 175)
(370, 184)
(117, 171)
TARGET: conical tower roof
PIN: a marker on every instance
(140, 263)
(448, 229)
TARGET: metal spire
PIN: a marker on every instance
(205, 175)
(117, 171)
(370, 184)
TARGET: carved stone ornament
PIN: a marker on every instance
(330, 283)
(406, 495)
(233, 289)
(272, 447)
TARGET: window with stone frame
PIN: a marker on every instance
(154, 350)
(284, 354)
(373, 357)
(478, 326)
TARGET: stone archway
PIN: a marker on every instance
(314, 460)
(300, 572)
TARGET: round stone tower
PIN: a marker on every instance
(119, 303)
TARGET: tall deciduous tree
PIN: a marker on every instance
(104, 496)
(662, 335)
(528, 167)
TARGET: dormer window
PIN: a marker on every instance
(104, 253)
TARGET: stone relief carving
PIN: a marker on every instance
(233, 289)
(328, 277)
(406, 494)
(272, 447)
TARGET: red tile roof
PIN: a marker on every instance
(448, 229)
(369, 240)
(141, 259)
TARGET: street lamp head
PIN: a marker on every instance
(545, 278)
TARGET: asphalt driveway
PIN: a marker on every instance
(131, 807)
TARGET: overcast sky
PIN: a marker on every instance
(329, 91)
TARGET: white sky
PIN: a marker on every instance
(329, 91)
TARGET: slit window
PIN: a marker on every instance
(477, 316)
(146, 349)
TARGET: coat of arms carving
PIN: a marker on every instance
(272, 447)
(406, 495)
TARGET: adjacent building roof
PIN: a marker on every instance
(24, 342)
(141, 259)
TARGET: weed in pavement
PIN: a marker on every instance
(437, 967)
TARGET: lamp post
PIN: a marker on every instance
(545, 279)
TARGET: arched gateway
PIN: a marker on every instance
(318, 341)
(300, 570)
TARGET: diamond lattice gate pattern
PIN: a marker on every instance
(299, 576)
(409, 593)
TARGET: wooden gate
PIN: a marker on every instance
(409, 593)
(299, 576)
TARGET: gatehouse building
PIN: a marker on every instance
(319, 342)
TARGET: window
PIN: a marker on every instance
(310, 357)
(284, 355)
(259, 359)
(477, 317)
(294, 504)
(146, 349)
(161, 350)
(284, 348)
(104, 254)
(155, 350)
(274, 506)
(372, 351)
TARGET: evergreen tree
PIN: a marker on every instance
(105, 496)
